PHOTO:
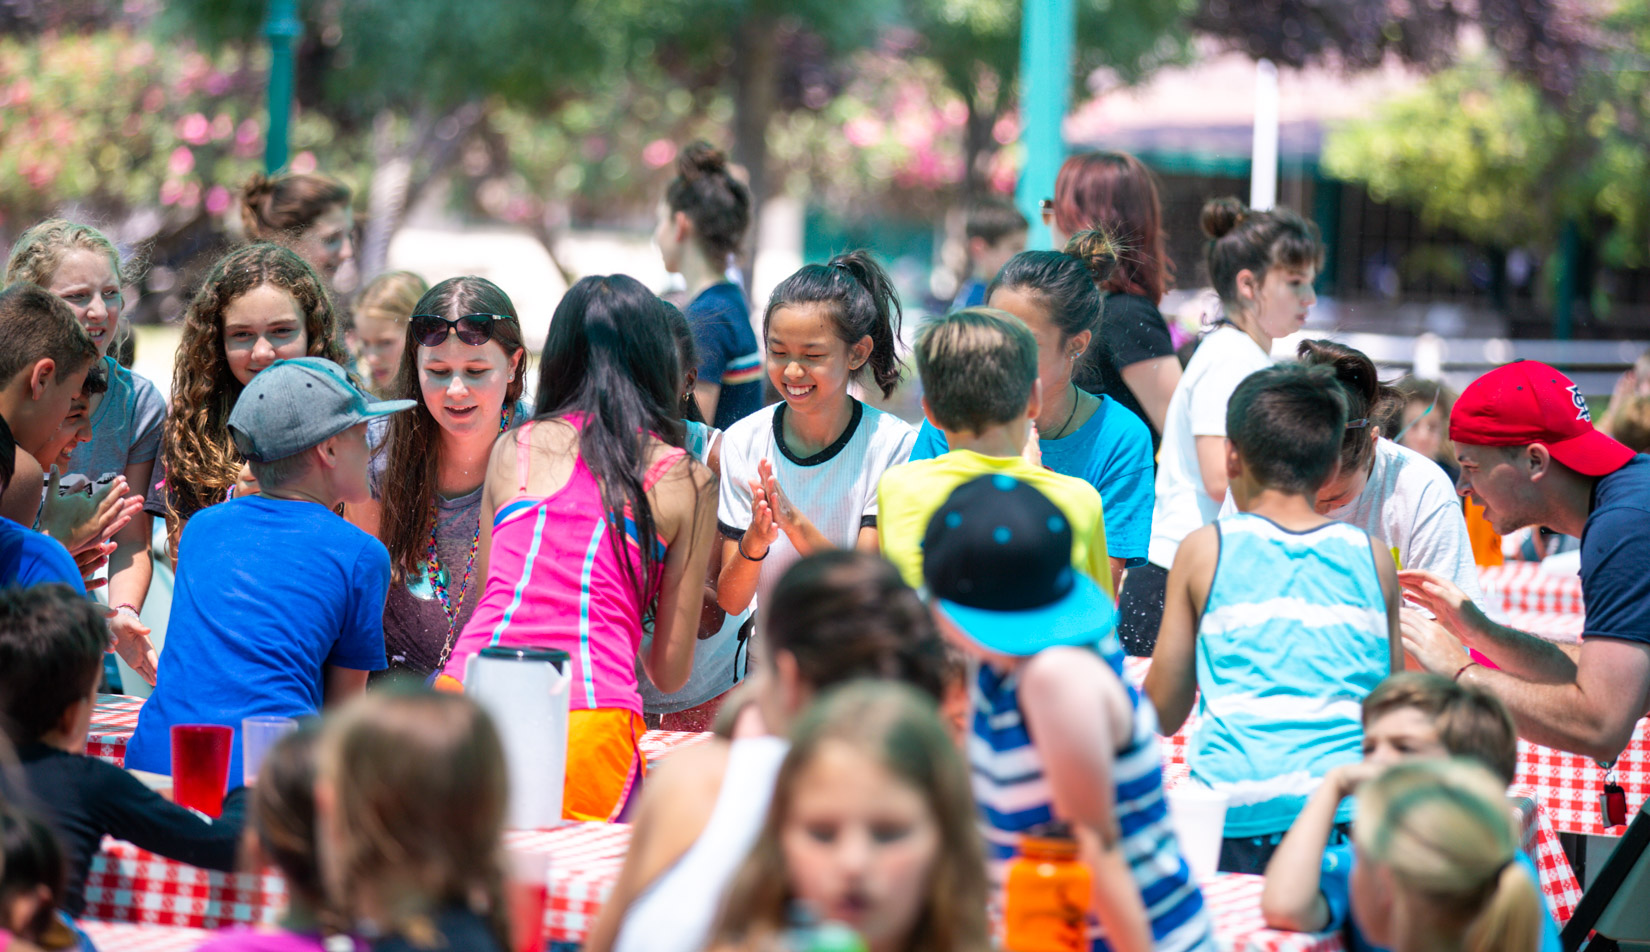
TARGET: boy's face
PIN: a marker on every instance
(51, 398)
(353, 486)
(989, 258)
(1404, 733)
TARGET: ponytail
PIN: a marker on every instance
(862, 302)
(1368, 400)
(1067, 283)
(1512, 915)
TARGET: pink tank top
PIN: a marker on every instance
(555, 581)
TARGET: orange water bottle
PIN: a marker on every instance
(1047, 895)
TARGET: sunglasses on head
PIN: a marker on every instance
(431, 331)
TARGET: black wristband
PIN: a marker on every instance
(740, 545)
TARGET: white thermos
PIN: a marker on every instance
(524, 690)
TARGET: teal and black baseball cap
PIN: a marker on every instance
(996, 559)
(292, 405)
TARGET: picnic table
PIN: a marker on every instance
(167, 902)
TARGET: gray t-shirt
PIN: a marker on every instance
(126, 429)
(415, 623)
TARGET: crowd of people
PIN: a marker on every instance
(908, 640)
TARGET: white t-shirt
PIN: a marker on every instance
(1198, 408)
(835, 488)
(1410, 505)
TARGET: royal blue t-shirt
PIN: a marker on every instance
(1615, 548)
(1113, 453)
(728, 353)
(29, 558)
(1335, 882)
(269, 593)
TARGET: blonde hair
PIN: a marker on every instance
(1446, 832)
(39, 251)
(418, 789)
(898, 727)
(392, 296)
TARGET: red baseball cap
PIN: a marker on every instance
(1527, 402)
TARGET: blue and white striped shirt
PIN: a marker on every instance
(1293, 638)
(1014, 796)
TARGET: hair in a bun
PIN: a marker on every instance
(279, 208)
(1221, 215)
(1098, 252)
(1367, 398)
(1067, 283)
(718, 204)
(1245, 239)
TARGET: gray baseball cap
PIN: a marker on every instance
(292, 405)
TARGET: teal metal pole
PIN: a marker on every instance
(283, 29)
(1047, 38)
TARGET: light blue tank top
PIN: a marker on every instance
(1013, 796)
(1293, 638)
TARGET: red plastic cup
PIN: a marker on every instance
(200, 765)
(527, 893)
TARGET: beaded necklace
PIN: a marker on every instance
(438, 576)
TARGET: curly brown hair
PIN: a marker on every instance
(412, 466)
(201, 461)
(280, 207)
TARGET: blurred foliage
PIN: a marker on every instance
(1548, 41)
(113, 123)
(975, 44)
(413, 55)
(1492, 154)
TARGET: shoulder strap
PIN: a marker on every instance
(524, 451)
(657, 470)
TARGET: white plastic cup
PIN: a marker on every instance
(258, 735)
(1198, 815)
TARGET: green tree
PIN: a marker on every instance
(976, 44)
(1491, 151)
(421, 77)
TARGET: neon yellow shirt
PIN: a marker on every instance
(909, 495)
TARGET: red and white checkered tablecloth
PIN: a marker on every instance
(127, 884)
(1568, 784)
(1524, 587)
(1234, 901)
(130, 937)
(115, 716)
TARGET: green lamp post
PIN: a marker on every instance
(282, 28)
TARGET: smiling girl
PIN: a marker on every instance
(801, 476)
(462, 365)
(80, 265)
(259, 304)
(872, 825)
(1262, 264)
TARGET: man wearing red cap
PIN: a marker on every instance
(1530, 455)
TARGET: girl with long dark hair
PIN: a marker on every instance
(595, 519)
(462, 364)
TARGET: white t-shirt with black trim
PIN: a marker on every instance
(835, 488)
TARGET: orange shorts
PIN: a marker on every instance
(604, 762)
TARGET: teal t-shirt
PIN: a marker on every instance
(1111, 452)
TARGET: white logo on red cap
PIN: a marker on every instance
(1582, 413)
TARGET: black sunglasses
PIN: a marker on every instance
(430, 330)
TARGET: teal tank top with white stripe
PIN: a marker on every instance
(1293, 638)
(1013, 796)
